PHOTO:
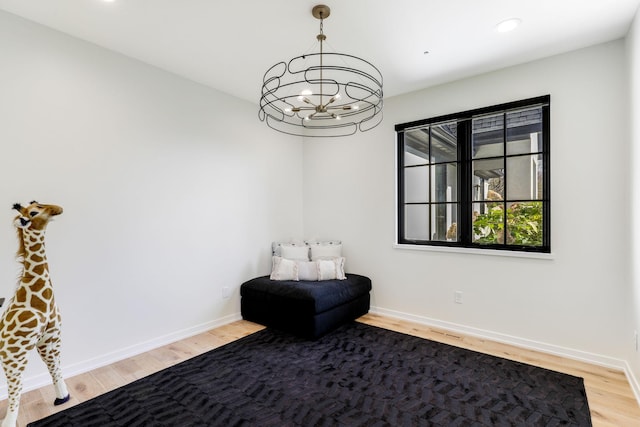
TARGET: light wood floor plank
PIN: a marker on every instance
(611, 399)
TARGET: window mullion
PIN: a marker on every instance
(430, 186)
(465, 202)
(400, 188)
(505, 185)
(546, 184)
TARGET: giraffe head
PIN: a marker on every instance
(36, 216)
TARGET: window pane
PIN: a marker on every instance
(445, 183)
(488, 136)
(416, 184)
(488, 179)
(491, 189)
(524, 177)
(488, 223)
(416, 147)
(444, 218)
(411, 159)
(444, 143)
(524, 131)
(524, 223)
(416, 222)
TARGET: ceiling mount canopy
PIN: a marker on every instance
(322, 94)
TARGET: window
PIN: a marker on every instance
(477, 179)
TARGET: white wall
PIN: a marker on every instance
(578, 301)
(171, 191)
(633, 54)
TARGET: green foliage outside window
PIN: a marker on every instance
(524, 224)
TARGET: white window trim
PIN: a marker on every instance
(474, 251)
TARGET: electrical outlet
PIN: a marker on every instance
(226, 292)
(457, 297)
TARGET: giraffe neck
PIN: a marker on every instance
(35, 286)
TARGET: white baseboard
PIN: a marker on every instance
(569, 353)
(41, 380)
(635, 385)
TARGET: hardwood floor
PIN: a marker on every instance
(611, 399)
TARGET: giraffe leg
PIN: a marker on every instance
(13, 370)
(49, 349)
(14, 383)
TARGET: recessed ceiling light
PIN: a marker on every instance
(508, 25)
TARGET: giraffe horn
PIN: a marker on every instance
(32, 202)
(17, 206)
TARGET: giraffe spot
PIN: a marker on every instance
(37, 287)
(37, 303)
(35, 248)
(21, 295)
(31, 325)
(9, 316)
(39, 269)
(25, 315)
(47, 294)
(23, 334)
(36, 258)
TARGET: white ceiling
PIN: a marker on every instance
(228, 45)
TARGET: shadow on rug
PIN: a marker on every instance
(359, 375)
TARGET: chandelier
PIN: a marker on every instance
(322, 94)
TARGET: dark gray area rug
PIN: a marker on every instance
(358, 375)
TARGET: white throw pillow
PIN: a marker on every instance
(325, 251)
(340, 274)
(330, 269)
(307, 270)
(284, 269)
(295, 252)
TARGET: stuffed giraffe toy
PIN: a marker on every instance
(31, 319)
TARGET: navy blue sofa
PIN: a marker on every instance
(308, 309)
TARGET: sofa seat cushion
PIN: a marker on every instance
(306, 296)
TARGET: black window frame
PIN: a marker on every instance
(465, 202)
